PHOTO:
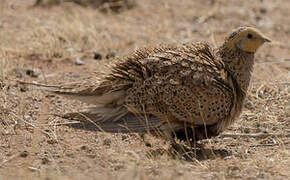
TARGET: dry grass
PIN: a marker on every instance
(48, 41)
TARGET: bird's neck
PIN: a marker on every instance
(239, 63)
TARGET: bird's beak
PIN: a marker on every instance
(266, 39)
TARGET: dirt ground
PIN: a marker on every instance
(67, 43)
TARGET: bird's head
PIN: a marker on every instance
(247, 39)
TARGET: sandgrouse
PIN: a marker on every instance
(188, 90)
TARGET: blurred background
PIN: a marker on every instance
(53, 41)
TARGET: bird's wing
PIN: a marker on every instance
(186, 83)
(107, 87)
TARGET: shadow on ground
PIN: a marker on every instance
(190, 155)
(179, 152)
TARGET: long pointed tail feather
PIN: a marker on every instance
(128, 123)
(96, 94)
(108, 113)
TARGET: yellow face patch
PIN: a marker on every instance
(248, 40)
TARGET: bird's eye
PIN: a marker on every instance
(250, 36)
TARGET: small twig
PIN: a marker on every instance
(38, 84)
(285, 83)
(274, 82)
(276, 62)
(270, 144)
(65, 123)
(255, 135)
(267, 145)
(33, 169)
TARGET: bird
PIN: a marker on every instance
(189, 91)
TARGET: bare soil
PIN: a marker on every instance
(43, 44)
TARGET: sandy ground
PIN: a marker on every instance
(42, 45)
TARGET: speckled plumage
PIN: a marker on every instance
(174, 88)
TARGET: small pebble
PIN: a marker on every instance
(31, 73)
(51, 141)
(79, 61)
(148, 144)
(110, 55)
(23, 88)
(44, 160)
(97, 56)
(84, 147)
(18, 72)
(24, 154)
(107, 142)
(124, 137)
(263, 10)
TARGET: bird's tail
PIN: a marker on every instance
(117, 122)
(109, 113)
(97, 95)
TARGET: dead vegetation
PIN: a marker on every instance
(42, 45)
